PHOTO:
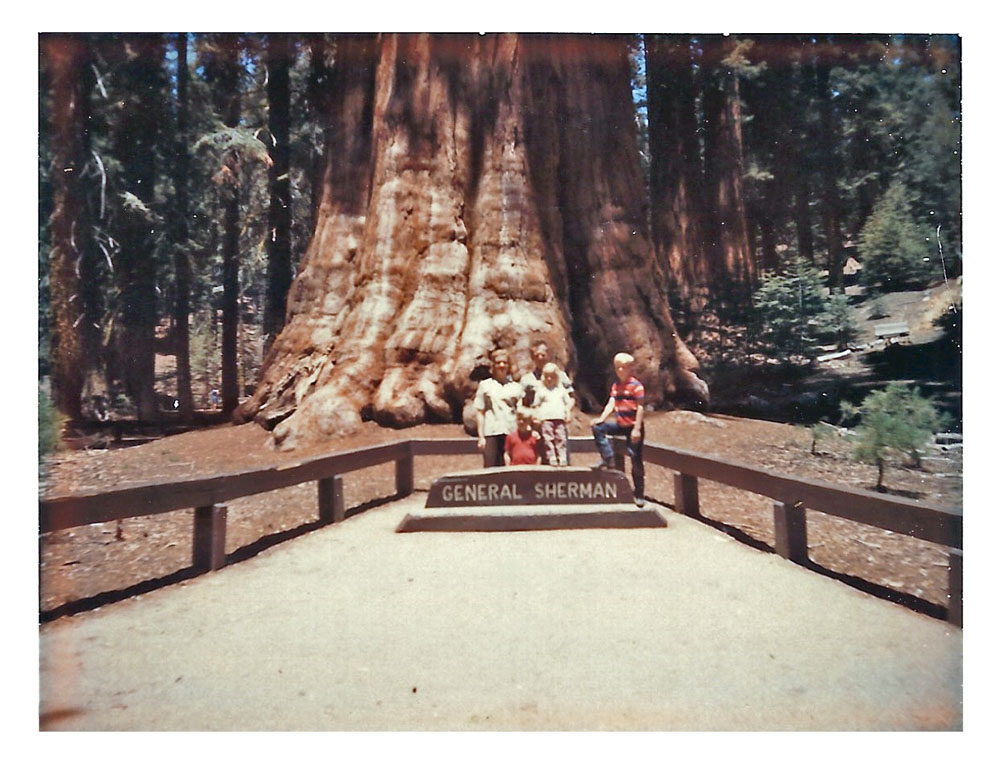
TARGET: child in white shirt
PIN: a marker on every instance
(552, 408)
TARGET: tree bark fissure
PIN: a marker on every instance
(487, 223)
(732, 271)
(678, 195)
(70, 228)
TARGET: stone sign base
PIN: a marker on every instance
(531, 498)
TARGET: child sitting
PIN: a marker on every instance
(626, 402)
(521, 445)
(552, 408)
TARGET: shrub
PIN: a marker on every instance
(50, 424)
(895, 419)
(892, 249)
(839, 320)
(877, 309)
(789, 310)
(819, 431)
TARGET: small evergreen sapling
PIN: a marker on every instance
(896, 419)
(892, 246)
(819, 431)
(790, 311)
(839, 319)
(877, 308)
(50, 425)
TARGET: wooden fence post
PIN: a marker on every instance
(686, 494)
(954, 613)
(791, 531)
(405, 473)
(209, 537)
(331, 504)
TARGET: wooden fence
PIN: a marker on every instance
(791, 497)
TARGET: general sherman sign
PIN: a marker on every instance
(517, 486)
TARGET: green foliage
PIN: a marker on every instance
(895, 419)
(895, 112)
(892, 248)
(819, 431)
(839, 319)
(877, 308)
(789, 311)
(133, 205)
(228, 149)
(205, 357)
(50, 425)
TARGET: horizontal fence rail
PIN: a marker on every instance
(939, 525)
(791, 496)
(154, 498)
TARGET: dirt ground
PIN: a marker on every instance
(97, 564)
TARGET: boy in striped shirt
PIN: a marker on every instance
(626, 402)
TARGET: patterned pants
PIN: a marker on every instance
(555, 436)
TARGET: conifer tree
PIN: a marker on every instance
(141, 84)
(893, 251)
(68, 61)
(279, 219)
(895, 419)
(789, 309)
(181, 256)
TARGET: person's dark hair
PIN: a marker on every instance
(495, 354)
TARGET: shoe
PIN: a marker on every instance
(601, 465)
(639, 501)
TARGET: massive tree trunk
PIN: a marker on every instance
(279, 220)
(479, 192)
(317, 96)
(677, 196)
(733, 269)
(769, 98)
(141, 77)
(67, 61)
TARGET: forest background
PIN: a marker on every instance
(27, 347)
(180, 190)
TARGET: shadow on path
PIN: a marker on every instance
(918, 604)
(236, 556)
(247, 551)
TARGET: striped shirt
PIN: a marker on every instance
(626, 398)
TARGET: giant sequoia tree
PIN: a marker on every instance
(478, 191)
(678, 193)
(68, 62)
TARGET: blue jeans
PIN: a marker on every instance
(602, 433)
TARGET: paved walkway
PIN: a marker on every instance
(356, 627)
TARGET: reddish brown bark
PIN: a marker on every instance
(677, 195)
(479, 192)
(67, 60)
(733, 270)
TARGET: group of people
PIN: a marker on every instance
(526, 421)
